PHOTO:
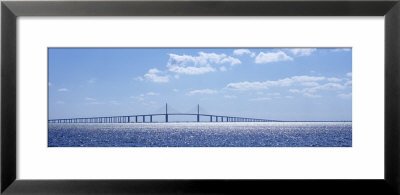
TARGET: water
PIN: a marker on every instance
(276, 134)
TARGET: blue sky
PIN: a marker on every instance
(270, 83)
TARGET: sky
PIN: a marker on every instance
(267, 83)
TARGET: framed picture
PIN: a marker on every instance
(208, 76)
(255, 103)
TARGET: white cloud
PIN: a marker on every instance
(345, 95)
(191, 70)
(310, 92)
(334, 79)
(139, 78)
(114, 102)
(223, 68)
(341, 50)
(202, 91)
(331, 86)
(326, 86)
(152, 75)
(349, 74)
(266, 84)
(201, 64)
(230, 96)
(309, 84)
(240, 52)
(152, 93)
(306, 78)
(230, 60)
(247, 85)
(310, 95)
(93, 101)
(302, 51)
(63, 89)
(92, 80)
(261, 99)
(304, 93)
(142, 96)
(274, 94)
(270, 57)
(139, 98)
(312, 84)
(348, 83)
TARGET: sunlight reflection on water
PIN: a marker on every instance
(261, 134)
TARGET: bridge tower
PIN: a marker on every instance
(166, 112)
(198, 113)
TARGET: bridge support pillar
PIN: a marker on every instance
(166, 112)
(151, 118)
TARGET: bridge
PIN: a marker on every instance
(148, 118)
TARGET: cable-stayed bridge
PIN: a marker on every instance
(148, 118)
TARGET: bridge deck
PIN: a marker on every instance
(141, 118)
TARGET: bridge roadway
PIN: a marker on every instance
(143, 118)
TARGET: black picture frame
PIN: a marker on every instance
(11, 10)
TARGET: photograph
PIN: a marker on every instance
(199, 97)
